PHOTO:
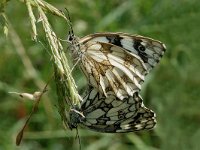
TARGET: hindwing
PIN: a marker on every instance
(110, 114)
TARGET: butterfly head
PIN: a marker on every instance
(75, 117)
(71, 36)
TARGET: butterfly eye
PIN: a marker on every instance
(70, 36)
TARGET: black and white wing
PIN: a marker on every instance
(110, 114)
(119, 62)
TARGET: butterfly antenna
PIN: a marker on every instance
(77, 136)
(70, 23)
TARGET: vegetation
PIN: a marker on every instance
(172, 89)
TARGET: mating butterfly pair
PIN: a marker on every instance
(116, 65)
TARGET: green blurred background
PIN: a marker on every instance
(172, 89)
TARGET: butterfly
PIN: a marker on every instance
(116, 62)
(110, 114)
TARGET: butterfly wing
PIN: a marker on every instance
(149, 50)
(119, 62)
(110, 114)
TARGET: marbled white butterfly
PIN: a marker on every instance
(116, 62)
(110, 114)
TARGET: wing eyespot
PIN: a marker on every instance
(121, 116)
(141, 48)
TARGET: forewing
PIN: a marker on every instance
(149, 50)
(110, 114)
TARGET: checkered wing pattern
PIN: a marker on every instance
(110, 114)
